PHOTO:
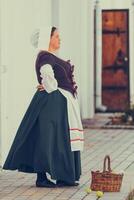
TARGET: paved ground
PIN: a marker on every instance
(119, 144)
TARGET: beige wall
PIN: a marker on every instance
(75, 20)
(18, 79)
(76, 27)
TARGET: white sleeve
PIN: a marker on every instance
(48, 80)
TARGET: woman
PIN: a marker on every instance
(50, 136)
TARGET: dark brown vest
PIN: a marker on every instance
(63, 70)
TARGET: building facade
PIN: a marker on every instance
(88, 32)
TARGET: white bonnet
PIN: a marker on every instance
(40, 38)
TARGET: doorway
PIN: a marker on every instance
(115, 60)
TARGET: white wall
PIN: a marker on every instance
(76, 28)
(18, 20)
(113, 4)
(75, 20)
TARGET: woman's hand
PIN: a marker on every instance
(40, 87)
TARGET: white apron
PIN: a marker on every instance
(75, 124)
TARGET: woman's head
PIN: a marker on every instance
(54, 39)
(46, 38)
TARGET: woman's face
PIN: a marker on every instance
(55, 40)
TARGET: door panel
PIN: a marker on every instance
(115, 63)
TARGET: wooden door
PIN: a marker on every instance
(115, 60)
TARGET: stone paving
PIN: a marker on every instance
(119, 144)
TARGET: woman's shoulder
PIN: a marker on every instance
(45, 54)
(45, 57)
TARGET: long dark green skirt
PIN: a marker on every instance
(42, 142)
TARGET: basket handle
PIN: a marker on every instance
(107, 158)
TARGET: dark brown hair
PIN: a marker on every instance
(52, 30)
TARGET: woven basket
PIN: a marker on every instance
(106, 181)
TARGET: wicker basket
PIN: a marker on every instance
(106, 181)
